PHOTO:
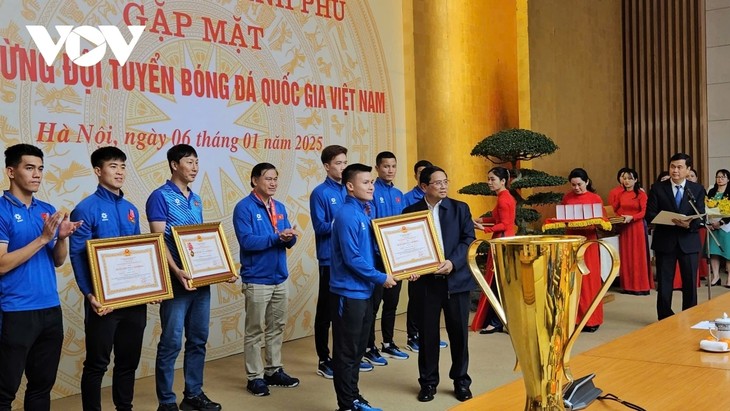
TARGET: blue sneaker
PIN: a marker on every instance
(258, 387)
(392, 351)
(373, 356)
(412, 344)
(281, 379)
(361, 404)
(325, 369)
(365, 366)
(443, 344)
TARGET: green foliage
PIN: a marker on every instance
(476, 189)
(548, 198)
(508, 147)
(527, 178)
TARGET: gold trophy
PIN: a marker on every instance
(539, 284)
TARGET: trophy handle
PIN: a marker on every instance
(479, 277)
(615, 264)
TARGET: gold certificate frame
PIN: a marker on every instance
(204, 253)
(408, 244)
(127, 271)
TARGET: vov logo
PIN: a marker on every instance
(100, 36)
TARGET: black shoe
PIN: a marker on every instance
(462, 392)
(590, 328)
(717, 282)
(199, 403)
(427, 392)
(168, 407)
(492, 330)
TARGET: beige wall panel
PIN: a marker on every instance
(576, 86)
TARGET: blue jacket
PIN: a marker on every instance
(353, 272)
(387, 199)
(324, 202)
(413, 196)
(262, 253)
(105, 215)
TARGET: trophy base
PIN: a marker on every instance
(581, 393)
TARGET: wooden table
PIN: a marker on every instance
(659, 367)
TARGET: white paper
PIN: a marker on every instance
(598, 210)
(578, 211)
(205, 254)
(569, 213)
(129, 271)
(560, 212)
(408, 245)
(725, 228)
(666, 217)
(704, 325)
(587, 211)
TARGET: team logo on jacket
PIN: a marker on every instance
(104, 217)
(333, 201)
(177, 201)
(362, 225)
(130, 216)
(258, 217)
(382, 200)
(44, 217)
(397, 200)
(19, 218)
(196, 203)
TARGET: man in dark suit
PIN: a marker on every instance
(678, 242)
(447, 289)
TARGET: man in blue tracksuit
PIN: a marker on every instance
(264, 234)
(387, 202)
(324, 201)
(352, 279)
(106, 213)
(410, 198)
(416, 194)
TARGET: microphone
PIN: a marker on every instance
(691, 196)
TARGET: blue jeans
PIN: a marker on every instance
(189, 310)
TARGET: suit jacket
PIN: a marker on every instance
(457, 231)
(667, 237)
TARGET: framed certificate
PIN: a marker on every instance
(127, 271)
(204, 253)
(409, 244)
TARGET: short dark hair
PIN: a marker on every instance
(14, 154)
(382, 156)
(259, 170)
(682, 156)
(354, 169)
(583, 175)
(501, 173)
(104, 154)
(178, 152)
(426, 174)
(419, 164)
(331, 152)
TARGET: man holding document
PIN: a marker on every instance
(106, 213)
(676, 240)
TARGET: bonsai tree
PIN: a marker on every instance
(507, 148)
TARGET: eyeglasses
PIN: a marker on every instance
(440, 183)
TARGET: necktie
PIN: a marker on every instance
(678, 196)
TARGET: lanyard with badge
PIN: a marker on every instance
(271, 211)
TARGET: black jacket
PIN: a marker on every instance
(667, 237)
(457, 230)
